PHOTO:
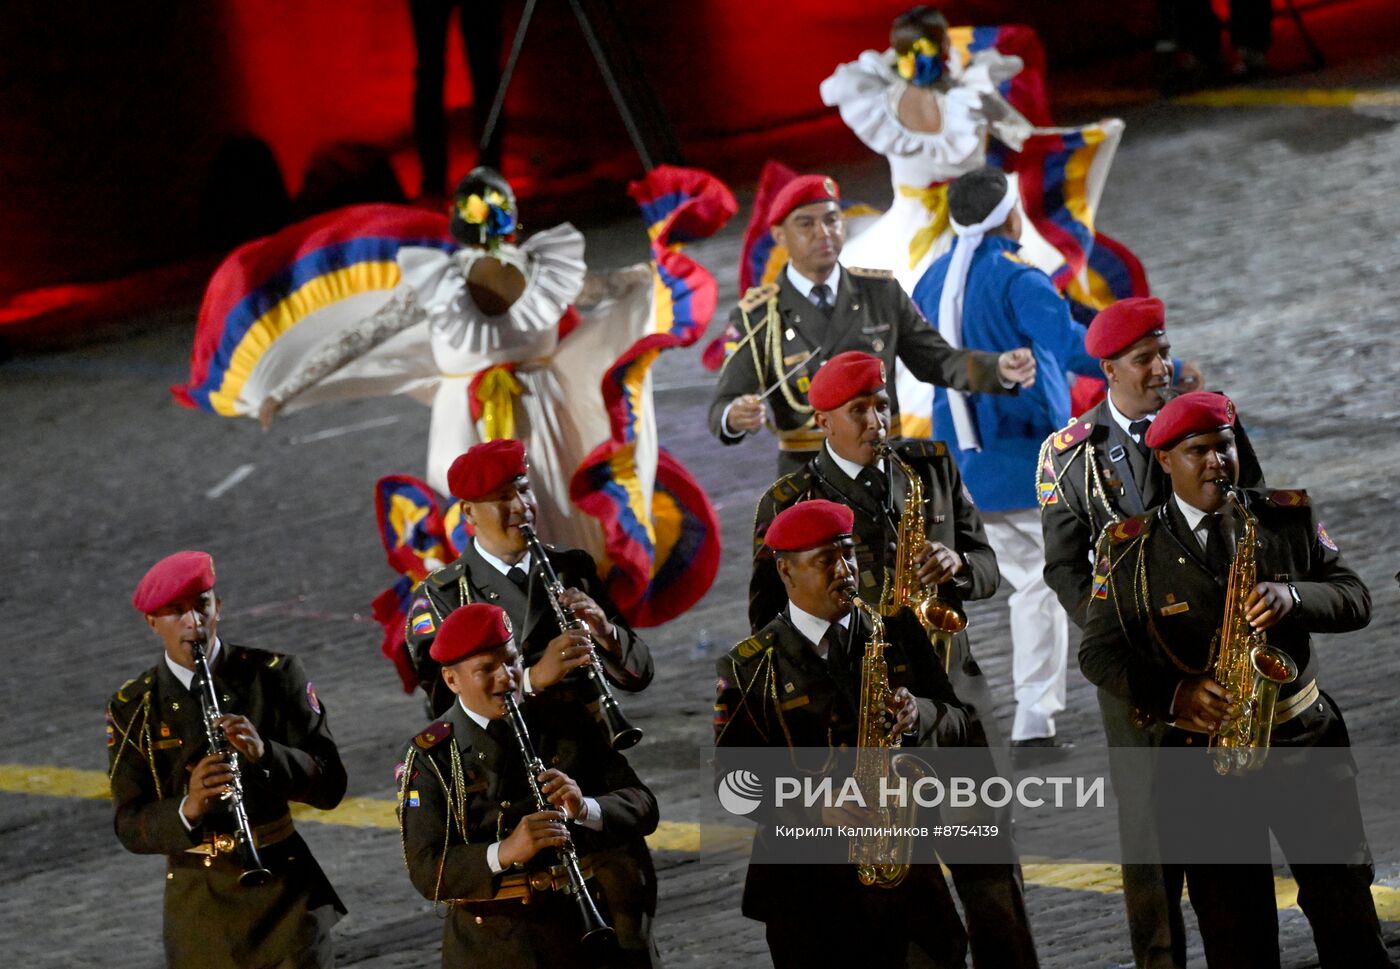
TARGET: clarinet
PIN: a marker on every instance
(595, 930)
(621, 733)
(241, 841)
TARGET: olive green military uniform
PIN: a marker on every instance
(155, 737)
(1154, 611)
(462, 788)
(775, 691)
(775, 329)
(1091, 475)
(472, 579)
(950, 518)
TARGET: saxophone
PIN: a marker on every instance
(880, 859)
(1245, 665)
(939, 617)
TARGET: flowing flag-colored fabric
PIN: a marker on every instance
(1062, 172)
(415, 542)
(660, 530)
(274, 299)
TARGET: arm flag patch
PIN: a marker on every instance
(1324, 539)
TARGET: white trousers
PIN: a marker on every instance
(1039, 625)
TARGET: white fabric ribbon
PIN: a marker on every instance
(950, 305)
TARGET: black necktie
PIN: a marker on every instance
(1138, 430)
(835, 648)
(873, 482)
(1220, 545)
(821, 298)
(517, 575)
(499, 731)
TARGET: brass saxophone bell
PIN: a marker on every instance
(937, 616)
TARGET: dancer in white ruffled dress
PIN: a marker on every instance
(930, 116)
(493, 316)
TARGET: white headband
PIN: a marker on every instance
(950, 303)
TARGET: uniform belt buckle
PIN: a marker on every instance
(219, 844)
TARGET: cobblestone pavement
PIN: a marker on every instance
(1268, 230)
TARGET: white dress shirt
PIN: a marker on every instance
(504, 568)
(813, 628)
(805, 286)
(1124, 422)
(1196, 520)
(850, 468)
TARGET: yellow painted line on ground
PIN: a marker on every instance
(678, 836)
(1249, 97)
(353, 812)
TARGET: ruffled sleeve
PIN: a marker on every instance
(867, 93)
(978, 98)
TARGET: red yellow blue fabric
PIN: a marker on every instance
(664, 557)
(267, 286)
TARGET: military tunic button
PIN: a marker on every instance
(479, 920)
(877, 344)
(480, 755)
(170, 876)
(174, 704)
(505, 805)
(854, 307)
(491, 595)
(789, 334)
(1180, 561)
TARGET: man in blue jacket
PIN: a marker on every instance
(984, 296)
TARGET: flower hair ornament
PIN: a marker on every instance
(492, 214)
(923, 64)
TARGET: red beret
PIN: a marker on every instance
(1198, 412)
(175, 577)
(802, 190)
(1122, 324)
(808, 524)
(485, 467)
(844, 376)
(474, 628)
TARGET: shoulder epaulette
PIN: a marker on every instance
(869, 273)
(1128, 529)
(1014, 257)
(258, 657)
(1291, 498)
(922, 449)
(755, 644)
(757, 296)
(445, 575)
(1075, 432)
(133, 689)
(432, 735)
(789, 486)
